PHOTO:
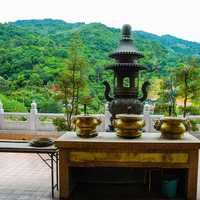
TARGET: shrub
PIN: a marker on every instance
(60, 124)
(161, 109)
(191, 110)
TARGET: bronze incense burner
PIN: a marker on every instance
(85, 125)
(172, 127)
(126, 97)
(128, 125)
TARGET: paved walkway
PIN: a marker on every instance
(26, 177)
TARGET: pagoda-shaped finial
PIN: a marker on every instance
(126, 52)
(126, 31)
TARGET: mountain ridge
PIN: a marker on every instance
(53, 35)
(34, 52)
(44, 21)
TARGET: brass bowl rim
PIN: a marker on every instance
(177, 119)
(85, 117)
(129, 116)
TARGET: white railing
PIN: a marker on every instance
(33, 121)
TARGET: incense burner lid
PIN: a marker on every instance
(126, 47)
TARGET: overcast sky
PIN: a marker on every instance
(180, 18)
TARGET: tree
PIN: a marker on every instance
(168, 93)
(4, 86)
(73, 80)
(35, 80)
(188, 81)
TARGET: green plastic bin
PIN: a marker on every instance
(169, 188)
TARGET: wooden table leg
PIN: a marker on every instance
(192, 175)
(64, 174)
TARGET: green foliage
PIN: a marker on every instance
(11, 105)
(50, 106)
(167, 95)
(73, 80)
(4, 85)
(60, 124)
(161, 109)
(33, 53)
(188, 81)
(44, 98)
(190, 110)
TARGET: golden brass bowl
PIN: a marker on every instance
(85, 125)
(128, 125)
(172, 127)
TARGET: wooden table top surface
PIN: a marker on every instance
(109, 139)
(24, 147)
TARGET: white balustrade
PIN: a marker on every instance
(32, 121)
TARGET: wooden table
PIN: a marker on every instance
(148, 151)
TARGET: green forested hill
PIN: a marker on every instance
(33, 52)
(178, 45)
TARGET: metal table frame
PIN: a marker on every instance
(53, 158)
(25, 147)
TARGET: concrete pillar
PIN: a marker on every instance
(107, 117)
(147, 117)
(1, 108)
(33, 116)
(1, 115)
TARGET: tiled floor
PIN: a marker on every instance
(26, 177)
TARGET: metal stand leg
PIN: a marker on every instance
(57, 170)
(145, 176)
(52, 176)
(53, 158)
(149, 182)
